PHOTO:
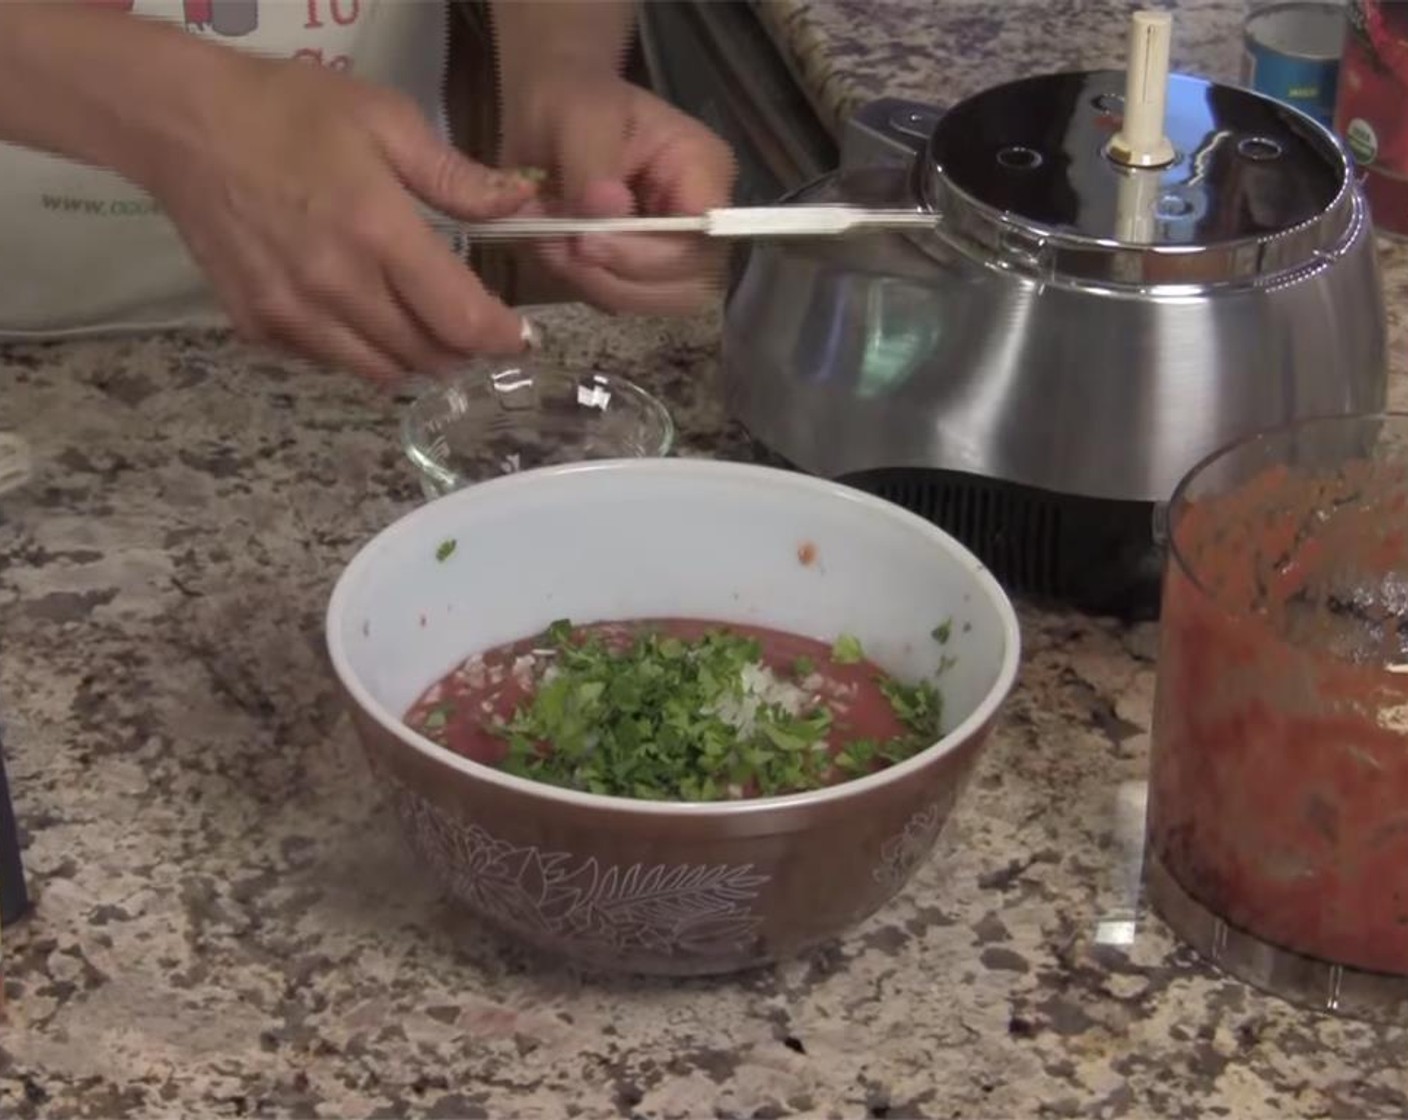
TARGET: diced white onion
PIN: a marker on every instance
(760, 687)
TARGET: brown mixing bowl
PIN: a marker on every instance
(664, 887)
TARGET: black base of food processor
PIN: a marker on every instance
(1097, 556)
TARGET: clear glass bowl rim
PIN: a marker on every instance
(417, 413)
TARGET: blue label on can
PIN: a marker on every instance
(1303, 83)
(1293, 55)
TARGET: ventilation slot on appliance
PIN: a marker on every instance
(1095, 555)
(1015, 533)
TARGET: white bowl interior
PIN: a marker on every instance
(660, 538)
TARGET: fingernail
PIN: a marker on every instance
(529, 334)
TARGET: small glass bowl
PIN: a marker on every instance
(493, 420)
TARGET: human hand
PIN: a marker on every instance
(613, 149)
(302, 213)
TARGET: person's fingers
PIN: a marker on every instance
(392, 328)
(448, 299)
(602, 198)
(682, 284)
(592, 146)
(650, 258)
(341, 307)
(346, 280)
(331, 341)
(635, 259)
(397, 299)
(318, 246)
(690, 173)
(437, 174)
(610, 292)
(694, 173)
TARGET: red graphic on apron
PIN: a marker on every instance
(344, 13)
(234, 19)
(231, 18)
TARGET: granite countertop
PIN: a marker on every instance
(845, 52)
(227, 921)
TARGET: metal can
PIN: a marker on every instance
(1292, 53)
(1372, 110)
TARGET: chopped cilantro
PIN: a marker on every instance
(943, 631)
(858, 756)
(435, 719)
(558, 632)
(803, 667)
(659, 718)
(847, 651)
(446, 549)
(918, 706)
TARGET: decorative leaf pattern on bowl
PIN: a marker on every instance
(903, 852)
(696, 910)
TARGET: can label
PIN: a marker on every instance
(1372, 110)
(1292, 53)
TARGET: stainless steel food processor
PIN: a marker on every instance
(1109, 292)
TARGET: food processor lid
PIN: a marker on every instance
(1021, 174)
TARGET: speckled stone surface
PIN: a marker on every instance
(228, 923)
(845, 52)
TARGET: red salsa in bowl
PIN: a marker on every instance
(679, 709)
